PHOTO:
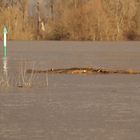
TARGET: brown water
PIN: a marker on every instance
(73, 107)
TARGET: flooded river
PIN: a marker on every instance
(72, 107)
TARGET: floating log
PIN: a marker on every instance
(85, 71)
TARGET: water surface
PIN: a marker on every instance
(73, 107)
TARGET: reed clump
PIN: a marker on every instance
(21, 79)
(4, 82)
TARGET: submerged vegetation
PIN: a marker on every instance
(71, 19)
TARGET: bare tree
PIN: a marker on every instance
(23, 6)
(137, 18)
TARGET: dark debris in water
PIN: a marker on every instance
(85, 71)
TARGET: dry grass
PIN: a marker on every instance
(17, 29)
(4, 81)
(21, 78)
(74, 20)
(93, 20)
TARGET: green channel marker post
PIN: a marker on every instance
(5, 41)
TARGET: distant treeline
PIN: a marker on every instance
(71, 19)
